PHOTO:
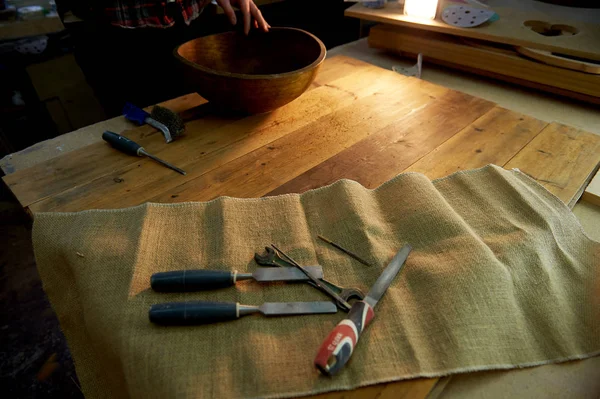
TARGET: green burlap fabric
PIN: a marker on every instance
(501, 276)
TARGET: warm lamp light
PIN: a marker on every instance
(420, 8)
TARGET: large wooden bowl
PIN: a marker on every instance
(251, 74)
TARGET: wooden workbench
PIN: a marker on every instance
(357, 121)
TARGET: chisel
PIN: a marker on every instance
(340, 343)
(130, 147)
(197, 280)
(201, 312)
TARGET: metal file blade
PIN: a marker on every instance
(296, 308)
(386, 278)
(286, 274)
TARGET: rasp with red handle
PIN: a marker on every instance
(339, 345)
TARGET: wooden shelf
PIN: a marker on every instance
(509, 29)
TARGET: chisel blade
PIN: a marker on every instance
(297, 308)
(286, 274)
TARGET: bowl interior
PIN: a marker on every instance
(279, 51)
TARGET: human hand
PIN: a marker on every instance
(249, 11)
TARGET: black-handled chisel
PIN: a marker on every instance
(130, 147)
(201, 312)
(198, 280)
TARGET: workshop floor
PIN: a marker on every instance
(35, 361)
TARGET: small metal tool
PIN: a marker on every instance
(341, 303)
(411, 71)
(198, 280)
(337, 348)
(344, 250)
(130, 147)
(271, 258)
(201, 312)
(168, 122)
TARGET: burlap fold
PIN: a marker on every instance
(501, 276)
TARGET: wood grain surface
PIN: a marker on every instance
(356, 121)
(560, 158)
(494, 138)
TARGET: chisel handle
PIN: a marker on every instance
(192, 280)
(193, 313)
(337, 348)
(122, 143)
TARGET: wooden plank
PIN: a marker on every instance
(509, 29)
(59, 115)
(337, 67)
(213, 147)
(381, 156)
(10, 30)
(517, 81)
(450, 49)
(266, 168)
(41, 152)
(64, 71)
(562, 159)
(374, 92)
(410, 389)
(85, 136)
(494, 138)
(563, 62)
(592, 192)
(87, 164)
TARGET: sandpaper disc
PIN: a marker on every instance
(466, 16)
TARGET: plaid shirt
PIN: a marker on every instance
(151, 13)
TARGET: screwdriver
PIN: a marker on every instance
(130, 147)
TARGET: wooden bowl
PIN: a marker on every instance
(251, 74)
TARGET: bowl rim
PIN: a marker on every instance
(312, 65)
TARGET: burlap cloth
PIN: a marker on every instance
(501, 276)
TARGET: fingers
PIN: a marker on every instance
(249, 12)
(226, 6)
(259, 21)
(245, 9)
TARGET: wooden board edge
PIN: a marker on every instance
(417, 388)
(583, 182)
(579, 193)
(548, 57)
(438, 389)
(592, 192)
(521, 82)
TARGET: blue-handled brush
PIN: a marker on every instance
(165, 120)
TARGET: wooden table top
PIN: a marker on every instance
(357, 121)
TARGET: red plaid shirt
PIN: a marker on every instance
(151, 13)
